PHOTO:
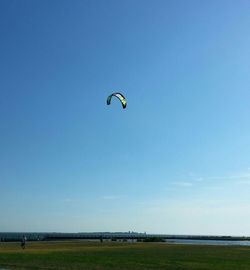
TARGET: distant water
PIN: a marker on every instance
(208, 242)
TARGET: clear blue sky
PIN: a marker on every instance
(177, 160)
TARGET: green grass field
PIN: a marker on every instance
(103, 256)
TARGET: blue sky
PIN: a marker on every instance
(175, 161)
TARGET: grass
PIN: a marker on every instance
(74, 255)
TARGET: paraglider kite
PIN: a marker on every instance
(120, 97)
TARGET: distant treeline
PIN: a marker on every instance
(115, 236)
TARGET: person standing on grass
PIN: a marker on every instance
(23, 242)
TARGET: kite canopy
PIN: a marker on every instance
(120, 97)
